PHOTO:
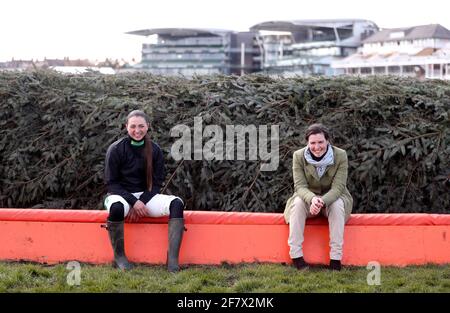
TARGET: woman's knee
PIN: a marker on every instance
(298, 206)
(337, 208)
(176, 208)
(116, 212)
(338, 204)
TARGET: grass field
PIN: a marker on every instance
(260, 278)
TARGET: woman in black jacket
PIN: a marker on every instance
(134, 174)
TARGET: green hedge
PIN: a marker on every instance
(55, 129)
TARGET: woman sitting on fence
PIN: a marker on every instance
(134, 174)
(320, 177)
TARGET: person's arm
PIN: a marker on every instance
(300, 182)
(339, 181)
(159, 175)
(112, 174)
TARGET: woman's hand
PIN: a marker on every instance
(140, 209)
(316, 205)
(137, 211)
(132, 216)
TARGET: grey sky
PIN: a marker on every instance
(95, 28)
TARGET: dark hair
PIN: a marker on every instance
(318, 129)
(138, 113)
(148, 150)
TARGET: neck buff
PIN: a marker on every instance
(321, 166)
(136, 143)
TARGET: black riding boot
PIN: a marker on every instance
(115, 230)
(176, 229)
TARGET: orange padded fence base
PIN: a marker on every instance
(54, 236)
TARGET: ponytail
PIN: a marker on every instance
(148, 163)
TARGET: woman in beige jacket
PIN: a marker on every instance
(320, 186)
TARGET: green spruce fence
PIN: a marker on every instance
(55, 129)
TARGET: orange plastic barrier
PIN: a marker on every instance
(54, 236)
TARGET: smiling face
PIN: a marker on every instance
(317, 144)
(137, 127)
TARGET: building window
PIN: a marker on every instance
(408, 69)
(394, 69)
(380, 70)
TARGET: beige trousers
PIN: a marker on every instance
(336, 220)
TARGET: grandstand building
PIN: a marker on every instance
(187, 51)
(308, 47)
